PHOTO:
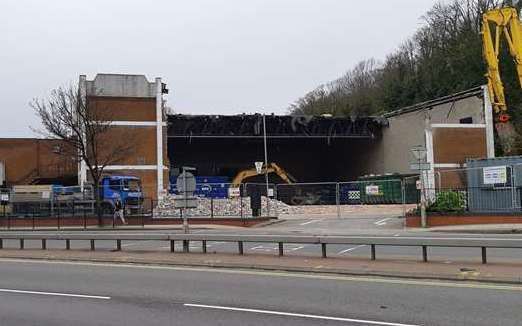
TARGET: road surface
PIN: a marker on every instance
(50, 293)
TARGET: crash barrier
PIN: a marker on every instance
(281, 240)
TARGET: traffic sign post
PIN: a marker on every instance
(186, 185)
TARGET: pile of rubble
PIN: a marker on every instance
(240, 207)
(206, 207)
(222, 207)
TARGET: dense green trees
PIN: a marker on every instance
(444, 56)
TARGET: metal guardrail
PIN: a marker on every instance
(323, 241)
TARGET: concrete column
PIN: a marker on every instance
(488, 119)
(159, 137)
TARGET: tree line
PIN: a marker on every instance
(444, 56)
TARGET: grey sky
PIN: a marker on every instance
(217, 56)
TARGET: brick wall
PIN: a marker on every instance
(29, 159)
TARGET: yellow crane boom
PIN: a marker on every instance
(506, 23)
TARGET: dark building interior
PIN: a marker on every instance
(311, 149)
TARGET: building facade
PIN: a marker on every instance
(135, 108)
(452, 129)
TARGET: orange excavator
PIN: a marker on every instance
(271, 168)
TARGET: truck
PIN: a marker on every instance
(125, 188)
(49, 200)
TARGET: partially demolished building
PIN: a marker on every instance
(312, 149)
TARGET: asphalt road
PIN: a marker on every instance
(45, 293)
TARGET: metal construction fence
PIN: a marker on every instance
(221, 200)
(489, 189)
(496, 189)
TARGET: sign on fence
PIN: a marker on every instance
(234, 192)
(372, 190)
(494, 175)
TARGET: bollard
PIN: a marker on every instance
(204, 246)
(118, 245)
(21, 243)
(373, 251)
(323, 249)
(172, 247)
(425, 254)
(92, 245)
(281, 249)
(67, 244)
(44, 244)
(240, 247)
(484, 256)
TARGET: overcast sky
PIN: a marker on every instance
(217, 56)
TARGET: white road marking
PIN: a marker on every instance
(290, 314)
(57, 294)
(295, 248)
(264, 248)
(310, 222)
(215, 243)
(350, 249)
(134, 243)
(382, 222)
(468, 285)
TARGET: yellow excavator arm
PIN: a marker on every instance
(507, 24)
(272, 168)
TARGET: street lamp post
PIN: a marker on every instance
(266, 165)
(419, 153)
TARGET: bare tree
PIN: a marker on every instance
(87, 130)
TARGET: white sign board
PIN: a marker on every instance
(420, 166)
(418, 185)
(270, 192)
(234, 192)
(494, 175)
(259, 167)
(4, 197)
(46, 194)
(186, 183)
(372, 190)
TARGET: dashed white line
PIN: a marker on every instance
(134, 243)
(310, 222)
(381, 222)
(295, 248)
(57, 294)
(350, 249)
(290, 314)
